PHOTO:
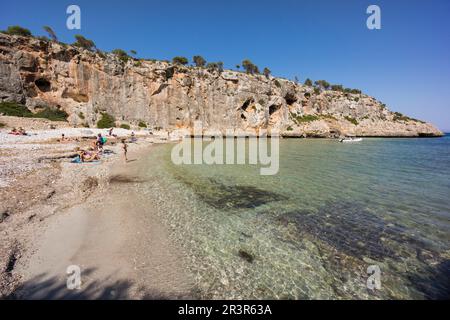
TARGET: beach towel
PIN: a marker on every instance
(76, 160)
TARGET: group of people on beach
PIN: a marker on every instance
(93, 153)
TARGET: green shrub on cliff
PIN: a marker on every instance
(352, 120)
(307, 118)
(142, 124)
(84, 43)
(328, 116)
(18, 31)
(14, 109)
(18, 110)
(304, 119)
(398, 116)
(51, 33)
(101, 54)
(249, 67)
(180, 60)
(121, 54)
(277, 83)
(52, 114)
(337, 87)
(106, 121)
(215, 66)
(322, 84)
(199, 61)
(353, 91)
(2, 125)
(125, 126)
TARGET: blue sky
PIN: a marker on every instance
(406, 64)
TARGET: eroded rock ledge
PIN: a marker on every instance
(84, 84)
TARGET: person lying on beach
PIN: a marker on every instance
(18, 132)
(14, 131)
(125, 149)
(65, 139)
(86, 156)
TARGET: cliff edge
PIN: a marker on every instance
(161, 95)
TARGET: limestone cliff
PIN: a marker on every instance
(41, 73)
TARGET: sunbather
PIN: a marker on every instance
(14, 131)
(86, 156)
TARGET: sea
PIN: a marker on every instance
(361, 220)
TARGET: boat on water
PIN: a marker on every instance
(350, 139)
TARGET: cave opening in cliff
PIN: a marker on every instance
(290, 98)
(246, 104)
(273, 108)
(43, 84)
(170, 72)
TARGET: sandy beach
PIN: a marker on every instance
(55, 214)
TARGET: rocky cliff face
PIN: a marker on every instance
(39, 73)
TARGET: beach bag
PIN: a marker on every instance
(104, 140)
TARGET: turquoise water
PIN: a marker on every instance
(312, 230)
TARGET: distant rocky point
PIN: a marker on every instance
(159, 95)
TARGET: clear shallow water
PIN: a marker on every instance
(312, 230)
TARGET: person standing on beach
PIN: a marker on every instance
(100, 142)
(133, 137)
(125, 149)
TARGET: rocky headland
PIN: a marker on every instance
(166, 96)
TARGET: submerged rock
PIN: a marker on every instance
(221, 196)
(434, 282)
(353, 229)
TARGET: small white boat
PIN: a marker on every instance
(350, 139)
